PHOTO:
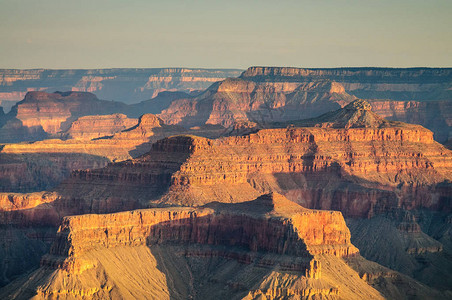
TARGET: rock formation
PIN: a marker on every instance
(434, 115)
(349, 160)
(373, 166)
(127, 85)
(91, 127)
(42, 114)
(368, 83)
(26, 167)
(235, 100)
(269, 237)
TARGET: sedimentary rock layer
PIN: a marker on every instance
(271, 223)
(127, 85)
(91, 127)
(368, 83)
(235, 100)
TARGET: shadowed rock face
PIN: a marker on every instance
(234, 100)
(360, 170)
(263, 240)
(270, 223)
(434, 115)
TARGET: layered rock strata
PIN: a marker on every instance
(127, 85)
(360, 170)
(91, 127)
(269, 246)
(235, 100)
(271, 223)
(368, 83)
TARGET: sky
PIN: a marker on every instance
(63, 34)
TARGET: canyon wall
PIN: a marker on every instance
(359, 170)
(368, 83)
(434, 115)
(126, 85)
(235, 99)
(41, 115)
(91, 127)
(267, 247)
(292, 233)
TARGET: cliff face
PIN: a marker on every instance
(91, 127)
(368, 83)
(270, 224)
(269, 246)
(121, 145)
(235, 100)
(434, 115)
(127, 85)
(360, 170)
(27, 167)
(28, 172)
(42, 114)
(42, 165)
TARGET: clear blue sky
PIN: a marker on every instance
(224, 34)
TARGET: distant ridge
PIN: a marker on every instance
(357, 114)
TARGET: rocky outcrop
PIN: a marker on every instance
(276, 246)
(357, 114)
(146, 129)
(43, 114)
(360, 170)
(37, 166)
(235, 100)
(91, 127)
(270, 223)
(434, 115)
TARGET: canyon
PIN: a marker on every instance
(260, 187)
(271, 237)
(127, 85)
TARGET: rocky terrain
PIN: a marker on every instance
(233, 100)
(269, 235)
(434, 115)
(391, 180)
(271, 94)
(419, 84)
(126, 85)
(371, 166)
(97, 126)
(94, 141)
(41, 115)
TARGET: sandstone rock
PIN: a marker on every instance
(359, 171)
(368, 83)
(91, 127)
(236, 100)
(51, 113)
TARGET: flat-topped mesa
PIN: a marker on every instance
(54, 112)
(378, 75)
(37, 96)
(266, 226)
(89, 127)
